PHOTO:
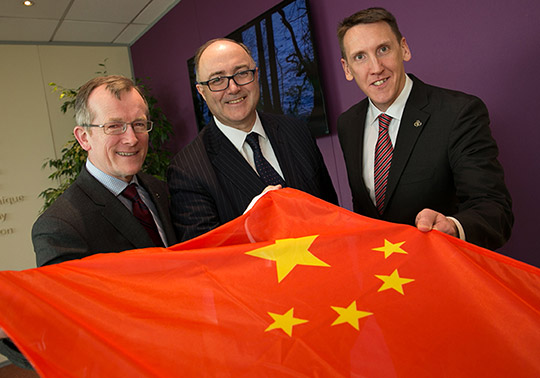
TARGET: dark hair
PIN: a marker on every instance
(115, 84)
(367, 16)
(201, 49)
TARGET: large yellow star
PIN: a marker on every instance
(393, 281)
(349, 315)
(284, 322)
(390, 248)
(287, 253)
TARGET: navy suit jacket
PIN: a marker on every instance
(444, 159)
(88, 219)
(211, 183)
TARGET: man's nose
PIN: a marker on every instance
(233, 87)
(375, 65)
(130, 135)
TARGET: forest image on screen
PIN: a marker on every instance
(281, 43)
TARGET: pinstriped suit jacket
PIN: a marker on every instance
(211, 183)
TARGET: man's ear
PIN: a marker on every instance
(345, 66)
(406, 50)
(200, 90)
(81, 134)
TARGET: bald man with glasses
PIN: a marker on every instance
(241, 152)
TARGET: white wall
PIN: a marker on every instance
(32, 128)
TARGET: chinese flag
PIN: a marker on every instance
(295, 287)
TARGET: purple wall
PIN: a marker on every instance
(489, 49)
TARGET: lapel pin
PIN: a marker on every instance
(417, 123)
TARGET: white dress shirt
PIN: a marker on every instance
(117, 186)
(371, 134)
(238, 139)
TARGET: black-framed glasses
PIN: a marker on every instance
(117, 128)
(221, 83)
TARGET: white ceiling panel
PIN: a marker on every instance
(51, 9)
(130, 33)
(79, 21)
(154, 11)
(86, 31)
(25, 29)
(106, 10)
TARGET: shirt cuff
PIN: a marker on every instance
(461, 231)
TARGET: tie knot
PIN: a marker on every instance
(384, 120)
(130, 192)
(253, 140)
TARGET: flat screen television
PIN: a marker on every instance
(282, 45)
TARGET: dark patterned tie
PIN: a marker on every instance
(383, 160)
(143, 214)
(266, 172)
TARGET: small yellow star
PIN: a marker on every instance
(284, 322)
(393, 281)
(287, 253)
(390, 248)
(349, 315)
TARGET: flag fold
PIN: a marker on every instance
(294, 287)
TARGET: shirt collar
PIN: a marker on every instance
(115, 185)
(238, 137)
(396, 109)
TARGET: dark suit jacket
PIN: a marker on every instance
(444, 159)
(88, 219)
(211, 183)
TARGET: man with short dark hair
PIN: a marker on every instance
(241, 152)
(415, 153)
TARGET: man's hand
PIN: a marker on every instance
(428, 220)
(267, 189)
(2, 334)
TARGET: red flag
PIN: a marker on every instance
(295, 287)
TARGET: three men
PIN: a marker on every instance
(241, 151)
(415, 153)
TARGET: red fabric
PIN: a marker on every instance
(207, 308)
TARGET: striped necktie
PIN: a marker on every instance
(383, 160)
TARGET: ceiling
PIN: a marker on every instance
(116, 22)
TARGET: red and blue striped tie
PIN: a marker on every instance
(383, 160)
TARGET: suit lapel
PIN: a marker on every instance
(412, 124)
(231, 164)
(358, 157)
(161, 201)
(114, 211)
(284, 153)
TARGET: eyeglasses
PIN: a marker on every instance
(117, 128)
(221, 83)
